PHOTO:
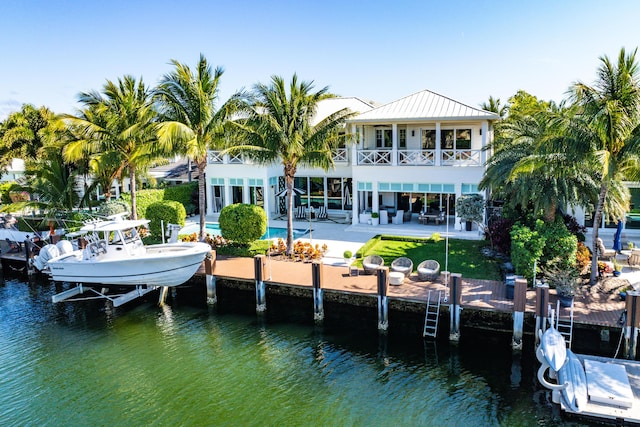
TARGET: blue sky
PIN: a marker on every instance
(51, 50)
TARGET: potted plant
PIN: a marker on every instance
(630, 245)
(617, 268)
(347, 256)
(470, 207)
(565, 281)
(623, 292)
(375, 218)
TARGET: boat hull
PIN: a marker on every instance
(554, 348)
(160, 265)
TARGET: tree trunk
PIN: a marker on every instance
(202, 198)
(132, 184)
(597, 219)
(289, 173)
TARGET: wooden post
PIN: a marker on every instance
(210, 279)
(542, 309)
(633, 321)
(519, 304)
(316, 275)
(27, 254)
(455, 306)
(259, 271)
(383, 309)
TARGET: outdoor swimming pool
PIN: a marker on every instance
(213, 228)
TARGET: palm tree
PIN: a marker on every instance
(494, 105)
(191, 123)
(610, 115)
(23, 133)
(118, 123)
(279, 128)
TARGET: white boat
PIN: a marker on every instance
(572, 374)
(116, 255)
(554, 348)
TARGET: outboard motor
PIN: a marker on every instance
(46, 253)
(64, 246)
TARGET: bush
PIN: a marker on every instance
(347, 254)
(5, 189)
(498, 234)
(435, 237)
(470, 207)
(526, 247)
(242, 223)
(167, 211)
(560, 245)
(583, 258)
(113, 207)
(183, 193)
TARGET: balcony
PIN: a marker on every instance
(421, 157)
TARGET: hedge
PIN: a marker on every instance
(167, 212)
(242, 223)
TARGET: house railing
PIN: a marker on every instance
(374, 157)
(461, 157)
(417, 157)
(216, 157)
(340, 155)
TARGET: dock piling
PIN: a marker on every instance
(316, 276)
(519, 303)
(542, 309)
(383, 308)
(210, 279)
(259, 270)
(455, 307)
(162, 298)
(631, 327)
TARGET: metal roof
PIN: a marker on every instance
(331, 105)
(424, 105)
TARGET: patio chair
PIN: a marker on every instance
(371, 263)
(300, 213)
(399, 218)
(429, 270)
(402, 265)
(634, 258)
(604, 252)
(322, 212)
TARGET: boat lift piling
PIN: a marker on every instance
(542, 309)
(162, 297)
(631, 327)
(259, 262)
(519, 303)
(383, 306)
(316, 276)
(455, 307)
(209, 264)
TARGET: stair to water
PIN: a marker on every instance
(431, 316)
(564, 325)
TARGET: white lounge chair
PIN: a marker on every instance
(399, 218)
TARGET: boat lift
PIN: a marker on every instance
(116, 299)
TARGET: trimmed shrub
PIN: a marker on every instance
(113, 207)
(242, 223)
(168, 211)
(526, 247)
(470, 207)
(560, 244)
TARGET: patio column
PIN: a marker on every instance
(438, 151)
(355, 201)
(209, 198)
(394, 144)
(246, 197)
(227, 193)
(457, 224)
(375, 203)
(484, 132)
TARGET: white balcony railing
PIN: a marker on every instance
(340, 155)
(417, 157)
(374, 157)
(214, 157)
(461, 157)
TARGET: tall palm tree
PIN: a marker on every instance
(279, 128)
(494, 105)
(118, 123)
(23, 133)
(610, 113)
(191, 122)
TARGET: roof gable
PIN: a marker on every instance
(424, 105)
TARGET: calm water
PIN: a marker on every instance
(213, 228)
(83, 364)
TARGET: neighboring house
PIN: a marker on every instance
(411, 154)
(175, 172)
(14, 171)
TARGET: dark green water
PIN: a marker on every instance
(84, 364)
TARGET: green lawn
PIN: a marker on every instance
(464, 255)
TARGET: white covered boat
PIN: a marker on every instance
(115, 254)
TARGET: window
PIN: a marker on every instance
(463, 139)
(446, 139)
(402, 138)
(428, 139)
(383, 138)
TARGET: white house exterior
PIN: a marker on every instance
(411, 154)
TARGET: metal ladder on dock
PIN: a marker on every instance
(431, 316)
(564, 325)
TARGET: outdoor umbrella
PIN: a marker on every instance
(617, 245)
(296, 192)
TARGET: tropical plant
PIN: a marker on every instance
(563, 279)
(191, 122)
(470, 207)
(118, 127)
(243, 223)
(608, 122)
(279, 127)
(494, 105)
(23, 133)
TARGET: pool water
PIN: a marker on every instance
(213, 228)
